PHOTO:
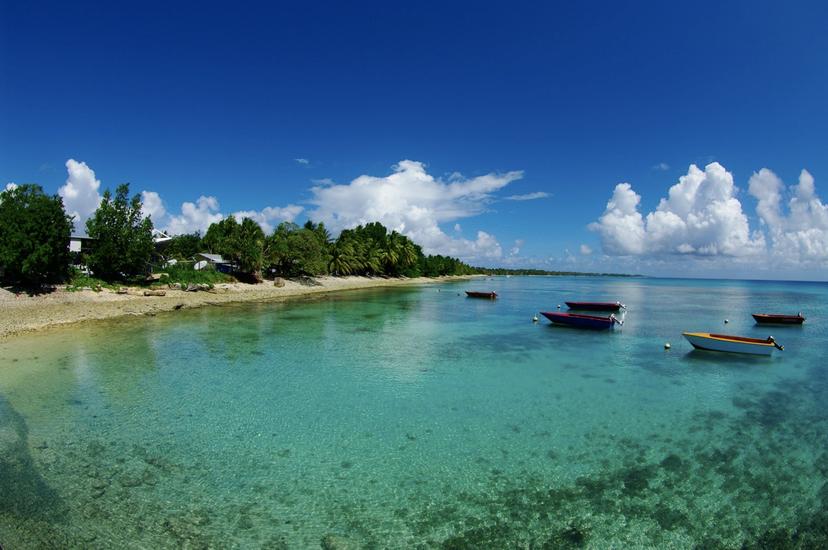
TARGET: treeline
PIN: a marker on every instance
(35, 232)
(509, 271)
(309, 250)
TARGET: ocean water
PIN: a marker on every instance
(419, 418)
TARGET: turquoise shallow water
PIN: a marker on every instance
(420, 418)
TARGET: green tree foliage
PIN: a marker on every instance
(294, 251)
(371, 250)
(249, 243)
(437, 266)
(184, 247)
(242, 244)
(34, 236)
(220, 236)
(123, 237)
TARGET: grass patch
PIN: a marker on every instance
(80, 281)
(185, 275)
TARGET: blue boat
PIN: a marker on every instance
(593, 322)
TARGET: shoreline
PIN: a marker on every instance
(24, 314)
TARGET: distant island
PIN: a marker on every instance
(510, 271)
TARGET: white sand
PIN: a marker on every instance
(22, 313)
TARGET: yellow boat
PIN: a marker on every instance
(732, 344)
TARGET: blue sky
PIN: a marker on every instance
(219, 100)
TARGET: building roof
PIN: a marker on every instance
(215, 258)
(159, 236)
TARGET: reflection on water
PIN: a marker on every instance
(418, 417)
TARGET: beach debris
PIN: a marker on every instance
(175, 286)
(191, 287)
(667, 345)
(178, 306)
(122, 290)
(155, 293)
(152, 277)
(278, 282)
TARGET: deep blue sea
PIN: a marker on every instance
(419, 418)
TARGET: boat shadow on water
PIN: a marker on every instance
(719, 358)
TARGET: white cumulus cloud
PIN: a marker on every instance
(194, 216)
(80, 193)
(415, 203)
(199, 215)
(152, 206)
(801, 234)
(701, 216)
(271, 216)
(529, 196)
(302, 161)
(586, 250)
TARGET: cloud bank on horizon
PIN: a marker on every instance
(702, 217)
(415, 203)
(81, 197)
(408, 200)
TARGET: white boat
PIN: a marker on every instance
(732, 344)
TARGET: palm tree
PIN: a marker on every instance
(372, 260)
(342, 259)
(391, 252)
(408, 254)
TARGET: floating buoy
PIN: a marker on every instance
(535, 319)
(559, 306)
(667, 345)
(726, 321)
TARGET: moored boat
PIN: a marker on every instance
(475, 294)
(732, 344)
(581, 321)
(595, 306)
(778, 319)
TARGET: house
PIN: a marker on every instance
(203, 259)
(80, 243)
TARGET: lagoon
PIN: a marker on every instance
(416, 417)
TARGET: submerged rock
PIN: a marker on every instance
(336, 542)
(24, 492)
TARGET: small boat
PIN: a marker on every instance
(732, 344)
(778, 319)
(596, 306)
(474, 294)
(581, 321)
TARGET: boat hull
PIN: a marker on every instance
(486, 295)
(777, 319)
(591, 322)
(729, 344)
(595, 306)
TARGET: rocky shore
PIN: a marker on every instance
(23, 313)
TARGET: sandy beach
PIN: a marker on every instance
(23, 313)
